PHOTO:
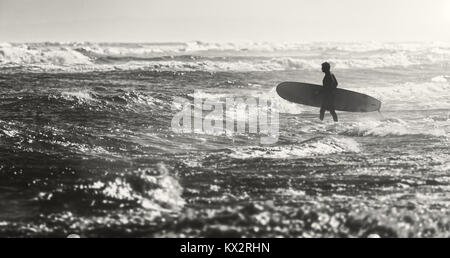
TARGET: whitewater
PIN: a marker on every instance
(87, 146)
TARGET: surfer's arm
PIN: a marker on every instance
(334, 78)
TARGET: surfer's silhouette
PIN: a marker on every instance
(329, 85)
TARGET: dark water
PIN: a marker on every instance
(93, 153)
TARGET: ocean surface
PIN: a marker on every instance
(87, 148)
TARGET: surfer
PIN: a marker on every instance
(329, 84)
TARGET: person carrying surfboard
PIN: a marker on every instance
(329, 84)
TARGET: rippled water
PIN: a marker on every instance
(87, 147)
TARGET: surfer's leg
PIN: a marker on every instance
(331, 108)
(333, 113)
(322, 113)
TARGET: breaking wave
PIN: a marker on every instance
(149, 189)
(312, 147)
(202, 56)
(388, 127)
(412, 95)
(154, 191)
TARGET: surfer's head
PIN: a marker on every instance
(326, 67)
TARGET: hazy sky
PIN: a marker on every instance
(225, 20)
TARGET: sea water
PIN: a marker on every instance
(87, 147)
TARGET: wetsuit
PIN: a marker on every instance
(329, 84)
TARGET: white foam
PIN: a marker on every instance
(441, 78)
(388, 127)
(411, 96)
(10, 133)
(25, 55)
(320, 146)
(77, 95)
(161, 192)
(75, 57)
(205, 95)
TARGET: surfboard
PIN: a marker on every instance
(311, 95)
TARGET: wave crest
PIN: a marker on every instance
(312, 147)
(203, 56)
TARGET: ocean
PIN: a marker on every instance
(87, 147)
